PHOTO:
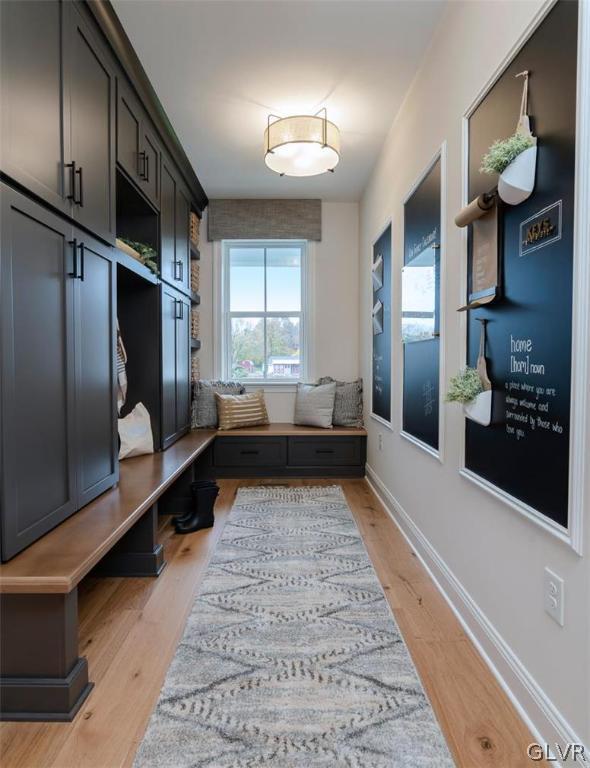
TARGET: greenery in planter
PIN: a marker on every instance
(503, 152)
(464, 387)
(149, 257)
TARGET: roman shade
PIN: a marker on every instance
(264, 220)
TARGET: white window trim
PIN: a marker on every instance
(221, 320)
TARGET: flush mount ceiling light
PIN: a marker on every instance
(301, 145)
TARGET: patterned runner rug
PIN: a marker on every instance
(291, 657)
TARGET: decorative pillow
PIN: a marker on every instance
(241, 410)
(314, 404)
(204, 407)
(348, 403)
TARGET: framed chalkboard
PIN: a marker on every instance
(421, 309)
(525, 451)
(381, 323)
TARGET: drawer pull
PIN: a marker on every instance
(249, 453)
(326, 450)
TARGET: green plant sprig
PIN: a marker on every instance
(464, 386)
(503, 152)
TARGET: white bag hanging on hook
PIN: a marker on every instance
(517, 181)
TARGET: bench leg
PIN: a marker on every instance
(41, 675)
(138, 552)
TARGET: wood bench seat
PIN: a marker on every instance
(283, 429)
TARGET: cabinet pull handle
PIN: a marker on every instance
(147, 167)
(80, 200)
(82, 253)
(249, 453)
(321, 450)
(141, 165)
(179, 271)
(74, 272)
(72, 195)
(179, 309)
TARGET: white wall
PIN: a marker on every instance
(487, 556)
(334, 331)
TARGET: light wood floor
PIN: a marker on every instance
(129, 629)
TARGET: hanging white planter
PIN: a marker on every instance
(480, 408)
(517, 181)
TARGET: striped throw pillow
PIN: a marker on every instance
(236, 411)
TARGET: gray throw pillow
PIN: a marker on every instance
(348, 403)
(204, 407)
(314, 405)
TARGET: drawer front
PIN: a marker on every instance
(324, 451)
(248, 452)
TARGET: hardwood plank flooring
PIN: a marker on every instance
(129, 629)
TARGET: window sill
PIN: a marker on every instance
(271, 386)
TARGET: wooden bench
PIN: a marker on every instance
(41, 675)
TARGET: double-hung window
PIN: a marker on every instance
(264, 310)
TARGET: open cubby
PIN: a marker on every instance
(136, 219)
(138, 315)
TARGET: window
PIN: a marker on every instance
(263, 314)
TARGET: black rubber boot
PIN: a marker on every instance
(203, 516)
(191, 506)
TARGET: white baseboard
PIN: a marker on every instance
(546, 723)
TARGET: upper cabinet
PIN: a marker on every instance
(58, 111)
(138, 152)
(92, 165)
(34, 96)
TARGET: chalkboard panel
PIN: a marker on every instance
(420, 314)
(525, 451)
(381, 386)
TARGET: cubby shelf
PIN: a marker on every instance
(195, 298)
(195, 344)
(136, 266)
(195, 253)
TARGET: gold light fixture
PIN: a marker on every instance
(301, 145)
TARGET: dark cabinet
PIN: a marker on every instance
(138, 152)
(33, 93)
(92, 166)
(175, 313)
(174, 230)
(96, 406)
(57, 400)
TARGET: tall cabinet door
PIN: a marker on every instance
(128, 131)
(168, 267)
(38, 487)
(183, 355)
(92, 130)
(32, 91)
(182, 238)
(96, 409)
(169, 311)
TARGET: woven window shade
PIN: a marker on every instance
(264, 220)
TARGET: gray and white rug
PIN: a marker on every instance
(291, 657)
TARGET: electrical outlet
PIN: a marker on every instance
(553, 596)
(380, 441)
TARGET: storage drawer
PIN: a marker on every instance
(324, 451)
(250, 452)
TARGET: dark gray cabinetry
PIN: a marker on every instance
(175, 311)
(35, 128)
(174, 230)
(138, 152)
(92, 166)
(95, 332)
(58, 449)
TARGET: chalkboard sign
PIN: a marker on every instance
(381, 316)
(421, 309)
(525, 451)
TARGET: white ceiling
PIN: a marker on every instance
(220, 67)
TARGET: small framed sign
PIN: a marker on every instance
(541, 229)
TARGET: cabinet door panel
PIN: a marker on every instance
(92, 88)
(182, 238)
(183, 354)
(128, 132)
(151, 178)
(169, 312)
(33, 97)
(95, 369)
(38, 487)
(168, 225)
